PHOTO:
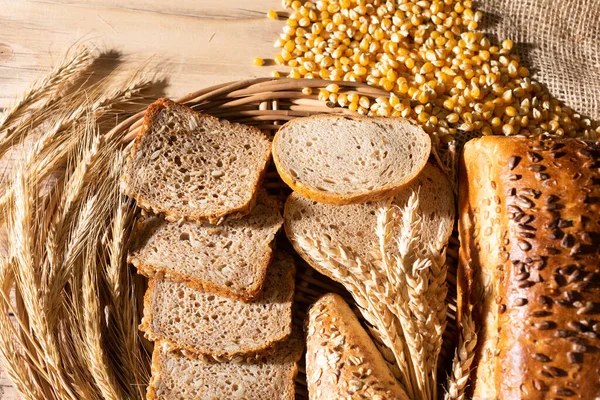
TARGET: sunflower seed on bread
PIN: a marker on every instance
(188, 165)
(340, 160)
(341, 359)
(205, 323)
(230, 259)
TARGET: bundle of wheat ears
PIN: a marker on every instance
(69, 306)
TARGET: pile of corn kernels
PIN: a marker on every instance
(428, 55)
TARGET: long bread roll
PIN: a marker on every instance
(530, 266)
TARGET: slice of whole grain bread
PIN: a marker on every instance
(176, 377)
(204, 323)
(340, 160)
(194, 166)
(230, 259)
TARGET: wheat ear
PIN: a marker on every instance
(65, 131)
(69, 68)
(463, 359)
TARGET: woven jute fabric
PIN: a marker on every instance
(559, 40)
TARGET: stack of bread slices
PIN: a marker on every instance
(219, 299)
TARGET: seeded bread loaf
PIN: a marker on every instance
(340, 160)
(230, 260)
(341, 359)
(354, 226)
(194, 166)
(204, 323)
(176, 377)
(530, 266)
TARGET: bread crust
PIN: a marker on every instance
(245, 295)
(188, 351)
(337, 198)
(333, 329)
(530, 265)
(215, 218)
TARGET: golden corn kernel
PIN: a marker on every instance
(386, 84)
(423, 117)
(294, 74)
(278, 59)
(423, 97)
(403, 87)
(452, 118)
(508, 129)
(364, 101)
(271, 14)
(275, 74)
(323, 95)
(258, 61)
(332, 87)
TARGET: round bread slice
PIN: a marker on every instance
(340, 160)
(338, 351)
(354, 226)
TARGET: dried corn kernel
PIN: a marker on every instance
(258, 61)
(272, 14)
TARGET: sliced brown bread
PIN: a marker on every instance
(176, 377)
(230, 259)
(341, 359)
(337, 159)
(194, 166)
(354, 226)
(205, 323)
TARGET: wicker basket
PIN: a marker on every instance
(269, 103)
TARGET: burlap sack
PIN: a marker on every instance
(558, 40)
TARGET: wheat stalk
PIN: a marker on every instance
(95, 344)
(18, 366)
(24, 252)
(463, 359)
(122, 304)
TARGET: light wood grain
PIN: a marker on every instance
(197, 43)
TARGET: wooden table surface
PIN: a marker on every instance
(198, 43)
